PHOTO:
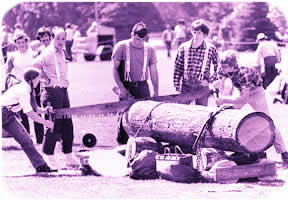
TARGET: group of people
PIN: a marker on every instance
(179, 35)
(42, 80)
(134, 59)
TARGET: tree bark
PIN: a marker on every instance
(232, 129)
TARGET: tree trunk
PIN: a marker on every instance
(232, 129)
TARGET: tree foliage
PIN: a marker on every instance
(245, 19)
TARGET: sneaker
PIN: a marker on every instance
(71, 161)
(285, 157)
(45, 168)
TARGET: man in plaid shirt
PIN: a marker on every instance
(249, 82)
(193, 64)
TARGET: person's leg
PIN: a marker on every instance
(39, 128)
(17, 130)
(51, 137)
(204, 93)
(25, 121)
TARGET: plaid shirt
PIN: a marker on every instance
(194, 63)
(244, 78)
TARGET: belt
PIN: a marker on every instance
(135, 83)
(56, 86)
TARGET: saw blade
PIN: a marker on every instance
(113, 108)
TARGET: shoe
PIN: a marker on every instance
(71, 161)
(45, 168)
(52, 161)
(285, 157)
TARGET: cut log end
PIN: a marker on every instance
(255, 132)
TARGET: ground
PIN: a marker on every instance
(92, 83)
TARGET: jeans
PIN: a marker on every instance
(63, 128)
(194, 88)
(11, 124)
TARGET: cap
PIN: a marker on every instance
(31, 73)
(261, 36)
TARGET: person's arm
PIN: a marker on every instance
(38, 63)
(10, 63)
(124, 94)
(178, 70)
(154, 79)
(215, 61)
(234, 100)
(35, 117)
(258, 54)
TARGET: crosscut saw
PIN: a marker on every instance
(113, 108)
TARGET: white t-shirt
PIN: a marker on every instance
(21, 62)
(180, 31)
(18, 93)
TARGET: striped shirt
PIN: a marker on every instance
(194, 63)
(244, 78)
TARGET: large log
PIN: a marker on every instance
(232, 129)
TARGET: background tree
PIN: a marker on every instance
(245, 19)
(249, 19)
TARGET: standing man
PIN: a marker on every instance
(133, 61)
(45, 36)
(180, 32)
(268, 53)
(193, 64)
(249, 83)
(55, 72)
(69, 40)
(168, 37)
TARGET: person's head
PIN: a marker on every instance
(139, 34)
(261, 37)
(44, 35)
(168, 26)
(67, 25)
(18, 26)
(21, 41)
(32, 76)
(181, 21)
(59, 38)
(229, 61)
(199, 30)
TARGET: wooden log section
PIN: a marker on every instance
(232, 130)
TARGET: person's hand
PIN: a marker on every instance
(48, 109)
(124, 94)
(155, 94)
(49, 124)
(219, 101)
(204, 83)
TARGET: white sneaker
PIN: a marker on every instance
(52, 162)
(72, 161)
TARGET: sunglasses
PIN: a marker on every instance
(141, 33)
